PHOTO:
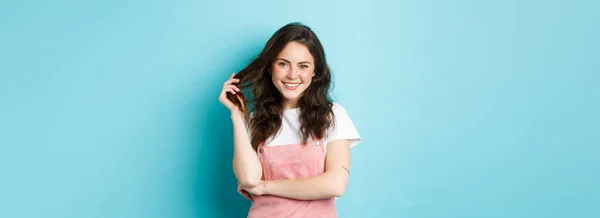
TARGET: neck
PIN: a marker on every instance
(290, 104)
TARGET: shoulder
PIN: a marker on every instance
(339, 111)
(336, 105)
(343, 126)
(338, 108)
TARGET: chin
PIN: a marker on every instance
(290, 96)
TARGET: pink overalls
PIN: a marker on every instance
(291, 162)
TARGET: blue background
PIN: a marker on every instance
(467, 109)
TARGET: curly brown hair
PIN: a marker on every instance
(266, 104)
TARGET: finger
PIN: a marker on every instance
(232, 91)
(246, 195)
(228, 89)
(230, 81)
(233, 87)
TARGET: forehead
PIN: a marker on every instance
(295, 52)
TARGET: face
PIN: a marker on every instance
(292, 72)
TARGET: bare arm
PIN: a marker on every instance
(246, 166)
(331, 183)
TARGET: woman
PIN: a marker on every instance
(291, 142)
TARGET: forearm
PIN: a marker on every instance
(246, 166)
(322, 186)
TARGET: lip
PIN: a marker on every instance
(291, 86)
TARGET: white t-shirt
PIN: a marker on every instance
(290, 133)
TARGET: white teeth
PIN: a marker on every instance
(292, 84)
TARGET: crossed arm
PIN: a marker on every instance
(248, 170)
(331, 183)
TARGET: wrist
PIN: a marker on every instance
(265, 188)
(236, 113)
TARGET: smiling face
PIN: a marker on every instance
(292, 72)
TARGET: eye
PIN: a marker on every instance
(281, 63)
(304, 66)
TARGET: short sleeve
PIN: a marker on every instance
(343, 128)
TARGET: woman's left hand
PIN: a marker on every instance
(257, 190)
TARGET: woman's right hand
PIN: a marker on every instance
(229, 87)
(243, 192)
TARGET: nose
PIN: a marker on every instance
(292, 73)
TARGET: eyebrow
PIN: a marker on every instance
(302, 62)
